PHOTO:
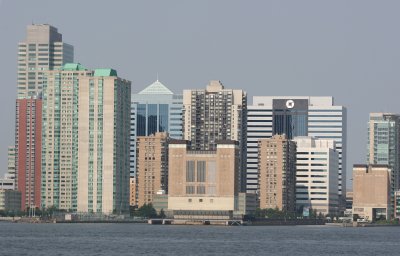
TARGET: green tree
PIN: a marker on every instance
(162, 214)
(146, 211)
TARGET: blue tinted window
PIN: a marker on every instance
(163, 118)
(141, 120)
(151, 119)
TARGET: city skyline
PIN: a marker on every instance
(340, 56)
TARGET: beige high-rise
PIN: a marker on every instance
(42, 50)
(203, 180)
(152, 166)
(371, 191)
(277, 173)
(85, 161)
(102, 178)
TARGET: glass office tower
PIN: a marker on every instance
(154, 109)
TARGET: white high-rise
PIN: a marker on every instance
(295, 116)
(317, 175)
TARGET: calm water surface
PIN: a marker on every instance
(143, 239)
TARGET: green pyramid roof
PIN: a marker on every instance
(105, 72)
(73, 67)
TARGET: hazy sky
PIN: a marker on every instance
(346, 49)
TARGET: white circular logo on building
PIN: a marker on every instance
(290, 104)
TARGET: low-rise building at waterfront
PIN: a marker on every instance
(203, 182)
(371, 191)
(10, 200)
(397, 204)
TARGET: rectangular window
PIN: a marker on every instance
(190, 171)
(201, 190)
(189, 190)
(201, 171)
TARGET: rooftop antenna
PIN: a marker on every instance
(157, 76)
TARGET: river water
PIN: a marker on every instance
(143, 239)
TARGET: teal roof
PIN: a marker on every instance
(105, 72)
(73, 67)
(156, 88)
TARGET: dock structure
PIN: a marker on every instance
(196, 222)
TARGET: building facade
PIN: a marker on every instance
(201, 180)
(213, 114)
(11, 171)
(384, 145)
(59, 136)
(371, 191)
(42, 50)
(277, 173)
(28, 150)
(85, 138)
(317, 175)
(294, 116)
(397, 204)
(133, 192)
(8, 184)
(152, 166)
(10, 200)
(103, 131)
(154, 109)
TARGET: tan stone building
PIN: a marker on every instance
(277, 173)
(371, 191)
(203, 182)
(152, 166)
(132, 191)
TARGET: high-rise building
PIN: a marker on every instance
(103, 131)
(28, 150)
(59, 135)
(371, 191)
(203, 181)
(277, 173)
(295, 116)
(85, 153)
(154, 109)
(384, 145)
(152, 166)
(42, 50)
(11, 171)
(216, 113)
(317, 175)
